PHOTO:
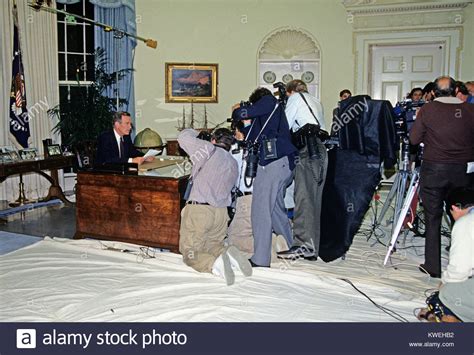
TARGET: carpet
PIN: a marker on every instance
(13, 241)
(29, 207)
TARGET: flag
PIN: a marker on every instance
(19, 123)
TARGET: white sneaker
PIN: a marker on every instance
(222, 268)
(238, 261)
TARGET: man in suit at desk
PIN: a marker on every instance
(115, 146)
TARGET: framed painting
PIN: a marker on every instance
(189, 82)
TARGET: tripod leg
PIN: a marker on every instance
(405, 207)
(389, 199)
(402, 185)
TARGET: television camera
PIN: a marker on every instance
(405, 115)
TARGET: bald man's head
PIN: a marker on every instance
(445, 86)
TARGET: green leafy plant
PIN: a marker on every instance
(83, 117)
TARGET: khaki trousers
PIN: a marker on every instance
(201, 235)
(239, 233)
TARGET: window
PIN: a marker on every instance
(75, 49)
(75, 57)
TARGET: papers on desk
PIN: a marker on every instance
(162, 162)
(152, 153)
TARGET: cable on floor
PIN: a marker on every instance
(386, 310)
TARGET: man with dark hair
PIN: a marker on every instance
(446, 127)
(428, 92)
(115, 145)
(416, 94)
(204, 218)
(457, 290)
(456, 293)
(305, 118)
(470, 87)
(462, 93)
(343, 95)
(269, 132)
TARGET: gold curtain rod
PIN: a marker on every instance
(37, 6)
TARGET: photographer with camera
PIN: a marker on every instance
(239, 232)
(305, 118)
(204, 218)
(428, 92)
(446, 127)
(270, 162)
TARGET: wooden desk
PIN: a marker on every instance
(40, 166)
(130, 208)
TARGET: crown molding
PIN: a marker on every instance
(371, 7)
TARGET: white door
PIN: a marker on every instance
(398, 69)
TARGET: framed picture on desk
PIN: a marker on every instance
(5, 158)
(28, 154)
(54, 150)
(14, 155)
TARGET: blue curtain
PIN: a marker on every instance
(121, 15)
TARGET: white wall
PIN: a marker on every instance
(466, 72)
(229, 32)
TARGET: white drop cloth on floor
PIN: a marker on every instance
(64, 280)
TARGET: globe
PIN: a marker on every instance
(147, 139)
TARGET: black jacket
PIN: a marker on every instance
(108, 151)
(368, 127)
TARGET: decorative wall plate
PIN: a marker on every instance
(287, 78)
(307, 77)
(269, 77)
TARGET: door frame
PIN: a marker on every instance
(451, 38)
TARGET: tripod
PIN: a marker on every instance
(399, 186)
(407, 202)
(406, 197)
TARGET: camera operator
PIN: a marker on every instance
(456, 281)
(343, 95)
(415, 95)
(305, 118)
(446, 127)
(239, 232)
(428, 92)
(270, 138)
(470, 87)
(204, 218)
(462, 93)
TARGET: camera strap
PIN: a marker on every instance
(310, 110)
(265, 125)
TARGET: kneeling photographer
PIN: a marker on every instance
(239, 232)
(305, 118)
(271, 156)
